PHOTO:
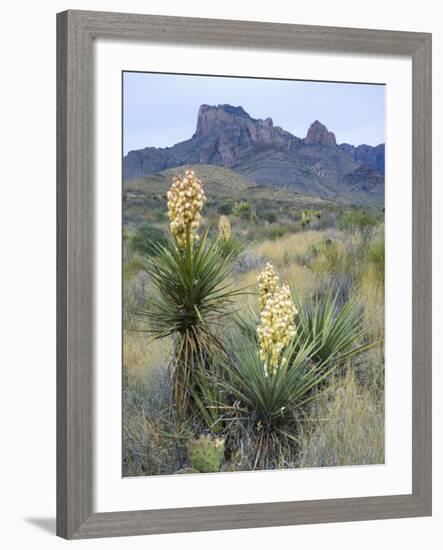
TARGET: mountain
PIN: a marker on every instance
(367, 155)
(228, 136)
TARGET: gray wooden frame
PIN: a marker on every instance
(76, 31)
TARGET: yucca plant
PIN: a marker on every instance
(192, 296)
(339, 331)
(280, 362)
(270, 376)
(227, 243)
(231, 246)
(269, 406)
(190, 275)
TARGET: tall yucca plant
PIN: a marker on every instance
(192, 296)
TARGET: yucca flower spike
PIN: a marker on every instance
(276, 328)
(185, 202)
(268, 283)
(224, 228)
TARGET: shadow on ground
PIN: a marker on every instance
(46, 524)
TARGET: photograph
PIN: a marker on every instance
(223, 250)
(253, 274)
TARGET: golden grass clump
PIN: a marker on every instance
(141, 356)
(346, 429)
(285, 250)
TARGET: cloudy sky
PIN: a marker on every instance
(160, 110)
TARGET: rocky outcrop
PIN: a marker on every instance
(212, 120)
(234, 135)
(367, 155)
(318, 134)
(227, 136)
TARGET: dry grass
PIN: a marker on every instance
(141, 355)
(346, 429)
(283, 254)
(285, 250)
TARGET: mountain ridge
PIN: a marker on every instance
(268, 155)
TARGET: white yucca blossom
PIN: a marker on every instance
(268, 283)
(224, 227)
(277, 325)
(185, 201)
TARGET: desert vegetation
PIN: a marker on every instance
(253, 328)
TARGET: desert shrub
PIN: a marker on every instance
(225, 208)
(327, 220)
(313, 250)
(358, 220)
(277, 232)
(293, 245)
(270, 216)
(146, 237)
(130, 259)
(332, 258)
(243, 210)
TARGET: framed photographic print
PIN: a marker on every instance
(244, 274)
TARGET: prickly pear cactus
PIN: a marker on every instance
(206, 452)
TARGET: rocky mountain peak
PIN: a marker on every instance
(318, 134)
(231, 109)
(215, 118)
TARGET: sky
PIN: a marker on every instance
(160, 110)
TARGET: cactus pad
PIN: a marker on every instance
(206, 452)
